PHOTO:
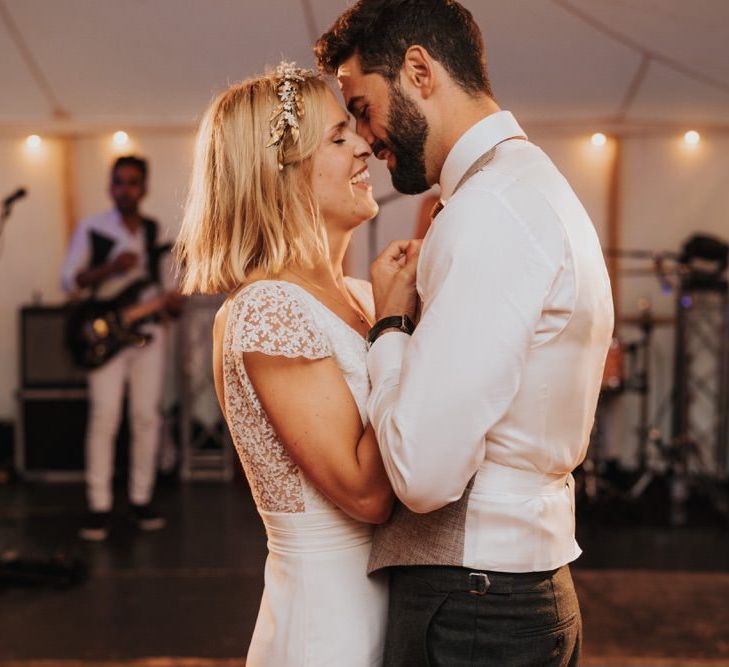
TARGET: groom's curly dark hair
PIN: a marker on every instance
(381, 31)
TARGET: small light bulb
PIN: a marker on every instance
(120, 138)
(692, 138)
(598, 139)
(33, 141)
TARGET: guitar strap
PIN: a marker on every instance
(153, 253)
(102, 245)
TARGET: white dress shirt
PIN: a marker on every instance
(109, 225)
(500, 380)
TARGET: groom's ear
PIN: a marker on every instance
(418, 71)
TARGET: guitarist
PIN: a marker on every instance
(108, 252)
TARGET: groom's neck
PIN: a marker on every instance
(459, 116)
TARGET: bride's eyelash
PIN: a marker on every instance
(339, 141)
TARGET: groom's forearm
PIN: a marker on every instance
(412, 446)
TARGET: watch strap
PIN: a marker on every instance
(401, 322)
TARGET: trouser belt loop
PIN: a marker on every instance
(479, 583)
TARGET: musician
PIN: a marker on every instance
(109, 252)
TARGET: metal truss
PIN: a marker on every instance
(701, 381)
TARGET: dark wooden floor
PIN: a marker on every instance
(650, 595)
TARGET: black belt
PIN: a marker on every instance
(479, 582)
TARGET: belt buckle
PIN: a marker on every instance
(479, 583)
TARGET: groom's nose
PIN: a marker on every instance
(364, 131)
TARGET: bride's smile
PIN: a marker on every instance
(340, 177)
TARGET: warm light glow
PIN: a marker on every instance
(121, 138)
(692, 138)
(33, 141)
(598, 139)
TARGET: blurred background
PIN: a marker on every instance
(630, 98)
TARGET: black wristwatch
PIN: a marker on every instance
(401, 322)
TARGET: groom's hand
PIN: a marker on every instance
(393, 279)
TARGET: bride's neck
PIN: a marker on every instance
(328, 271)
(338, 244)
(322, 273)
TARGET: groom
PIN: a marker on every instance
(485, 409)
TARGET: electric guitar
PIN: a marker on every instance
(97, 330)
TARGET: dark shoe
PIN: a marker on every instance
(146, 518)
(96, 527)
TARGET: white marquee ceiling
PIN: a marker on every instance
(158, 62)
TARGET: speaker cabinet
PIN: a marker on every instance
(51, 434)
(45, 362)
(52, 404)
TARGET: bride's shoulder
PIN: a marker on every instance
(264, 292)
(276, 317)
(272, 303)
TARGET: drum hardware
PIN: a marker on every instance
(700, 429)
(697, 270)
(626, 370)
(656, 457)
(612, 376)
(640, 353)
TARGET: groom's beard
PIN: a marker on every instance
(408, 130)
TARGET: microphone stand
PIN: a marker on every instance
(4, 215)
(56, 571)
(7, 209)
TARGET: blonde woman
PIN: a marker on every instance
(280, 182)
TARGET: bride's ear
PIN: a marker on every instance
(417, 73)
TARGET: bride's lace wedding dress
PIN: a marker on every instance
(319, 607)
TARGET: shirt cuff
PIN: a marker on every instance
(386, 354)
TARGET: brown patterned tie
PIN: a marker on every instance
(436, 209)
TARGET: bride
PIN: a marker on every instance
(279, 183)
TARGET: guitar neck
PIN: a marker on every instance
(140, 311)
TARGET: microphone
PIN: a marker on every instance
(11, 199)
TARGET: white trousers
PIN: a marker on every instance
(143, 369)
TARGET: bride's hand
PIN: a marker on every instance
(393, 279)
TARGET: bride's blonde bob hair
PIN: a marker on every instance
(243, 213)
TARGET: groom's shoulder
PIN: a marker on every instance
(514, 197)
(520, 178)
(515, 164)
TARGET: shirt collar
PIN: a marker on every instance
(114, 217)
(472, 144)
(116, 220)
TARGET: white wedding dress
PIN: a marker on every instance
(319, 607)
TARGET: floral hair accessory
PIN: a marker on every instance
(285, 115)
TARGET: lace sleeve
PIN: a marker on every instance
(273, 319)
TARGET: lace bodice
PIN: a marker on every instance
(282, 319)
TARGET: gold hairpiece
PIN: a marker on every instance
(286, 114)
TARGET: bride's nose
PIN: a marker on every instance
(362, 149)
